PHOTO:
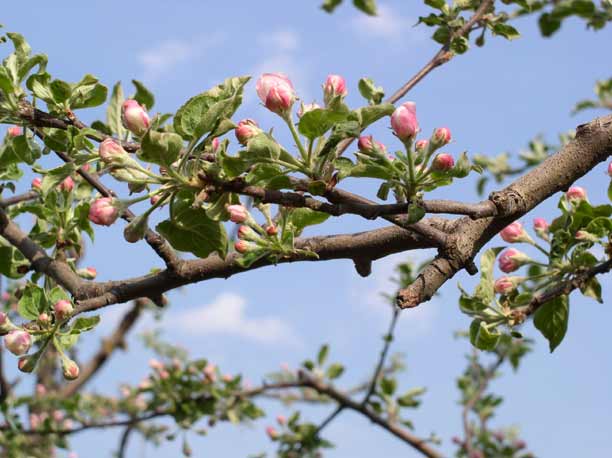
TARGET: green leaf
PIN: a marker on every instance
(143, 96)
(592, 288)
(39, 85)
(88, 93)
(55, 176)
(113, 112)
(262, 146)
(415, 213)
(303, 217)
(61, 90)
(369, 91)
(551, 319)
(367, 6)
(610, 191)
(6, 82)
(460, 45)
(161, 148)
(56, 294)
(330, 5)
(506, 31)
(549, 24)
(437, 4)
(388, 386)
(370, 114)
(200, 113)
(190, 229)
(84, 324)
(484, 291)
(483, 338)
(334, 371)
(322, 355)
(32, 302)
(316, 122)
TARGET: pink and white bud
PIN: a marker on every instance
(242, 246)
(246, 233)
(18, 342)
(35, 421)
(540, 226)
(154, 199)
(272, 433)
(404, 121)
(41, 390)
(111, 152)
(88, 273)
(245, 130)
(505, 285)
(14, 131)
(27, 363)
(585, 236)
(156, 364)
(421, 145)
(238, 213)
(36, 183)
(443, 162)
(306, 107)
(276, 92)
(281, 420)
(210, 372)
(610, 169)
(576, 194)
(366, 144)
(334, 87)
(70, 369)
(511, 259)
(63, 309)
(515, 233)
(134, 117)
(67, 185)
(103, 211)
(57, 415)
(227, 378)
(44, 319)
(164, 374)
(215, 144)
(441, 137)
(271, 230)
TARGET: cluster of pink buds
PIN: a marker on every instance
(134, 117)
(334, 89)
(511, 259)
(366, 144)
(245, 130)
(404, 121)
(14, 131)
(276, 92)
(515, 233)
(18, 342)
(104, 211)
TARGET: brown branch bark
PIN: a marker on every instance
(18, 198)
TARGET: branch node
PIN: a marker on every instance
(508, 202)
(363, 266)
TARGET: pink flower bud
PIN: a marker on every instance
(505, 285)
(540, 224)
(442, 162)
(276, 92)
(610, 169)
(88, 273)
(67, 185)
(57, 415)
(210, 372)
(246, 233)
(215, 144)
(404, 121)
(585, 236)
(281, 420)
(70, 369)
(306, 107)
(512, 259)
(156, 364)
(271, 230)
(164, 374)
(14, 131)
(272, 432)
(18, 342)
(519, 444)
(245, 130)
(227, 378)
(110, 151)
(44, 319)
(335, 86)
(36, 183)
(238, 213)
(514, 233)
(62, 309)
(441, 136)
(134, 117)
(41, 390)
(103, 212)
(242, 246)
(34, 421)
(154, 199)
(421, 145)
(366, 144)
(576, 194)
(27, 363)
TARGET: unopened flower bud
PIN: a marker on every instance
(334, 89)
(215, 144)
(421, 145)
(27, 363)
(514, 233)
(14, 131)
(245, 130)
(585, 236)
(610, 169)
(35, 421)
(540, 226)
(519, 444)
(111, 152)
(242, 246)
(441, 137)
(442, 162)
(135, 117)
(271, 230)
(576, 194)
(276, 92)
(511, 259)
(70, 369)
(246, 233)
(44, 319)
(41, 390)
(136, 229)
(306, 107)
(366, 144)
(404, 121)
(154, 199)
(67, 185)
(18, 342)
(505, 285)
(272, 433)
(238, 213)
(63, 309)
(88, 273)
(103, 211)
(227, 378)
(36, 183)
(5, 324)
(281, 420)
(210, 372)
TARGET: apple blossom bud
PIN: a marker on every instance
(103, 211)
(246, 233)
(334, 89)
(442, 162)
(276, 92)
(70, 369)
(242, 246)
(610, 169)
(441, 137)
(164, 374)
(575, 194)
(27, 363)
(36, 183)
(156, 364)
(210, 372)
(281, 420)
(18, 342)
(306, 107)
(5, 324)
(585, 236)
(245, 130)
(57, 415)
(272, 433)
(404, 121)
(540, 226)
(136, 229)
(421, 145)
(111, 152)
(44, 319)
(41, 390)
(134, 117)
(154, 199)
(366, 144)
(238, 213)
(88, 273)
(67, 185)
(511, 259)
(68, 424)
(514, 233)
(215, 144)
(271, 230)
(63, 309)
(505, 285)
(35, 421)
(519, 444)
(14, 131)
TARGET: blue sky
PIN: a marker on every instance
(493, 99)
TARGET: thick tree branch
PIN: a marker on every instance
(17, 199)
(592, 145)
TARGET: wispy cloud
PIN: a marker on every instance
(227, 315)
(280, 40)
(388, 24)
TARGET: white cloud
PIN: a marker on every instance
(226, 314)
(280, 40)
(387, 24)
